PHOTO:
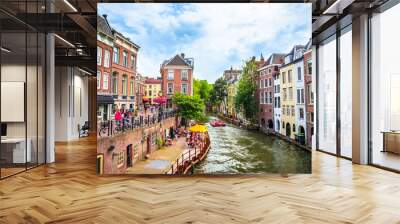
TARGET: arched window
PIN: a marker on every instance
(124, 85)
(115, 84)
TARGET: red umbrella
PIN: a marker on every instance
(160, 100)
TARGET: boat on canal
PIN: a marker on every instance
(217, 123)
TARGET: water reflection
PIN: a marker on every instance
(234, 150)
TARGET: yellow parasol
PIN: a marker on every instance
(198, 128)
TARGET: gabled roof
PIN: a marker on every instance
(176, 60)
(126, 39)
(103, 26)
(295, 48)
(274, 58)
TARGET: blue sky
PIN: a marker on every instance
(217, 36)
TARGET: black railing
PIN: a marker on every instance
(112, 127)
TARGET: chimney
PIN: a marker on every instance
(182, 55)
(105, 16)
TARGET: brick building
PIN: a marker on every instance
(105, 40)
(177, 76)
(265, 89)
(124, 71)
(309, 94)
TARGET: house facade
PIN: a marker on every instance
(152, 89)
(309, 94)
(105, 40)
(265, 90)
(124, 71)
(177, 77)
(300, 114)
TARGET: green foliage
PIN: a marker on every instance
(159, 143)
(188, 107)
(218, 92)
(202, 89)
(245, 100)
(202, 119)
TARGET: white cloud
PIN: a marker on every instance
(224, 35)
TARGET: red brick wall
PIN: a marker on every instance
(177, 81)
(121, 70)
(121, 142)
(266, 111)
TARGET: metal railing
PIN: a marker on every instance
(113, 127)
(189, 158)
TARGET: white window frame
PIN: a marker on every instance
(169, 72)
(106, 58)
(99, 55)
(184, 74)
(98, 79)
(172, 88)
(105, 80)
(186, 88)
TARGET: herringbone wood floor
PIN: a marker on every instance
(70, 192)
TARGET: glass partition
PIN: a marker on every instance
(22, 90)
(327, 95)
(346, 92)
(385, 89)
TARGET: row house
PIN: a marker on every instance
(266, 90)
(300, 99)
(288, 101)
(124, 72)
(177, 77)
(140, 91)
(152, 89)
(309, 94)
(291, 93)
(231, 76)
(105, 40)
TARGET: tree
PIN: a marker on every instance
(218, 91)
(188, 107)
(245, 100)
(202, 89)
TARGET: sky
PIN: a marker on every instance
(217, 36)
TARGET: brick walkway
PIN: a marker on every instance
(160, 160)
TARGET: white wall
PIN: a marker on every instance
(71, 102)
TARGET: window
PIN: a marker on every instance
(266, 97)
(300, 96)
(299, 74)
(133, 61)
(284, 94)
(170, 88)
(184, 88)
(116, 55)
(131, 87)
(261, 97)
(269, 82)
(99, 55)
(98, 79)
(290, 93)
(294, 128)
(293, 111)
(170, 74)
(309, 67)
(105, 81)
(301, 113)
(289, 76)
(125, 58)
(327, 96)
(106, 58)
(124, 85)
(136, 151)
(265, 82)
(283, 77)
(115, 84)
(288, 110)
(120, 159)
(283, 110)
(184, 75)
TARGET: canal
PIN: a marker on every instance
(236, 151)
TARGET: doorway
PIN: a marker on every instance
(129, 155)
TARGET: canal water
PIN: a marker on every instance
(238, 151)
